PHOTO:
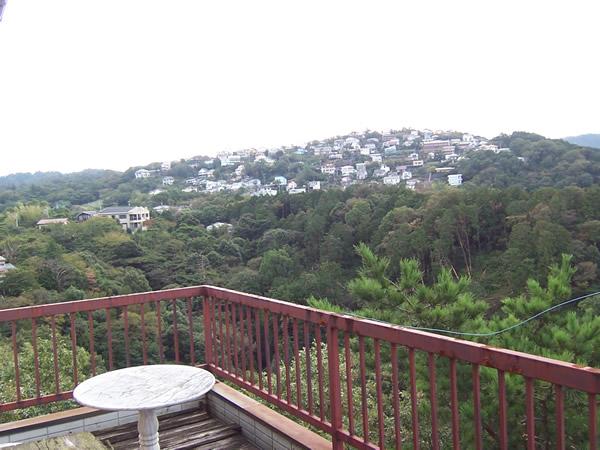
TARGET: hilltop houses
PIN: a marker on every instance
(142, 173)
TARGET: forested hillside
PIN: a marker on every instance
(294, 247)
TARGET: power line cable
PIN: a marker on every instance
(493, 333)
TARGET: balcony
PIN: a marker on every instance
(339, 381)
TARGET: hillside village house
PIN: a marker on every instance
(46, 222)
(168, 181)
(455, 179)
(131, 219)
(85, 215)
(165, 166)
(142, 173)
(4, 266)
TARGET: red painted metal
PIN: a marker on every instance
(227, 311)
(320, 371)
(267, 351)
(73, 346)
(16, 360)
(477, 407)
(308, 369)
(143, 330)
(335, 398)
(36, 360)
(379, 390)
(560, 418)
(191, 331)
(396, 396)
(126, 334)
(503, 411)
(593, 410)
(413, 398)
(561, 374)
(454, 406)
(249, 344)
(175, 331)
(109, 339)
(276, 351)
(208, 327)
(297, 363)
(286, 353)
(363, 388)
(236, 366)
(348, 357)
(55, 355)
(161, 355)
(259, 360)
(92, 343)
(435, 438)
(530, 413)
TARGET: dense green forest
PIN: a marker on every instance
(506, 245)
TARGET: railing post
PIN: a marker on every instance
(207, 331)
(335, 395)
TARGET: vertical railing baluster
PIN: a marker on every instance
(379, 392)
(297, 364)
(190, 311)
(55, 355)
(175, 331)
(477, 406)
(276, 349)
(502, 411)
(161, 355)
(320, 371)
(226, 311)
(259, 360)
(249, 344)
(92, 342)
(109, 339)
(435, 439)
(454, 405)
(335, 398)
(126, 334)
(16, 360)
(560, 417)
(363, 388)
(530, 413)
(223, 363)
(592, 412)
(208, 330)
(396, 396)
(234, 339)
(73, 347)
(36, 359)
(286, 350)
(413, 398)
(143, 331)
(308, 368)
(348, 357)
(267, 351)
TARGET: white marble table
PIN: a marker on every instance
(145, 389)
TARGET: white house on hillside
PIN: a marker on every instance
(142, 173)
(130, 218)
(455, 179)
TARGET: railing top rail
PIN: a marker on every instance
(531, 366)
(94, 304)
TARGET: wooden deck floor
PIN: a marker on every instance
(183, 430)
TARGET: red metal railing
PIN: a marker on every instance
(367, 384)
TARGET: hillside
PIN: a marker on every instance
(587, 140)
(417, 159)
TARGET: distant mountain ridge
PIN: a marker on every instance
(586, 140)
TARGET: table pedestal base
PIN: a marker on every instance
(148, 430)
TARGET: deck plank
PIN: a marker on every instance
(187, 430)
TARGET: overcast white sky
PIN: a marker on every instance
(112, 84)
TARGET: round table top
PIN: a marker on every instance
(144, 387)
